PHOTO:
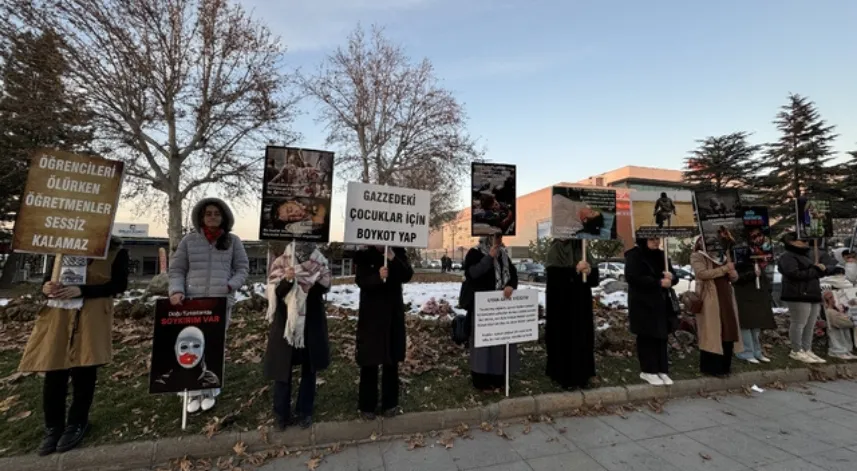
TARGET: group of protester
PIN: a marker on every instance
(72, 342)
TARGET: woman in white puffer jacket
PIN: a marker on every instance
(209, 262)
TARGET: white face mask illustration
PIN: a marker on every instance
(851, 271)
(190, 345)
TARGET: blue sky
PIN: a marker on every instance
(568, 89)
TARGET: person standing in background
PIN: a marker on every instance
(569, 320)
(72, 337)
(487, 268)
(717, 324)
(381, 337)
(209, 262)
(755, 306)
(650, 308)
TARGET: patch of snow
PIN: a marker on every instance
(4, 302)
(618, 299)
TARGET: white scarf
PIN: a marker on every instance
(501, 262)
(310, 268)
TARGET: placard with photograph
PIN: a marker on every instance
(720, 219)
(661, 214)
(494, 197)
(814, 218)
(583, 213)
(757, 246)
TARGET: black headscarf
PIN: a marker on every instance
(788, 241)
(655, 258)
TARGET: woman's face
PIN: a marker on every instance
(653, 244)
(801, 244)
(212, 218)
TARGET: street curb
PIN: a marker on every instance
(146, 454)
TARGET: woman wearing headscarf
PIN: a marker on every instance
(381, 337)
(840, 326)
(569, 320)
(297, 282)
(209, 262)
(801, 295)
(71, 338)
(487, 268)
(650, 308)
(717, 325)
(755, 306)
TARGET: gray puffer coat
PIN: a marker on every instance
(199, 269)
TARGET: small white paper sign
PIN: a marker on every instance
(500, 321)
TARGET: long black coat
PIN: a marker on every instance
(754, 304)
(649, 307)
(280, 357)
(381, 316)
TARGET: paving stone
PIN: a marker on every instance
(412, 423)
(516, 466)
(837, 460)
(397, 457)
(485, 449)
(825, 396)
(558, 402)
(605, 396)
(686, 387)
(630, 457)
(689, 415)
(796, 464)
(836, 415)
(576, 461)
(646, 392)
(789, 439)
(542, 440)
(517, 407)
(689, 455)
(30, 463)
(848, 388)
(638, 426)
(589, 432)
(830, 433)
(334, 432)
(453, 418)
(134, 454)
(746, 450)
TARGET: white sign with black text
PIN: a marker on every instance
(501, 321)
(385, 215)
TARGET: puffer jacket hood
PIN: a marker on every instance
(839, 255)
(225, 211)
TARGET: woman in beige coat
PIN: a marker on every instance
(717, 324)
(71, 338)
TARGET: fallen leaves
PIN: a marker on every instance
(705, 456)
(502, 433)
(416, 441)
(8, 403)
(313, 464)
(240, 448)
(20, 416)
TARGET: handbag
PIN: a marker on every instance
(460, 330)
(692, 300)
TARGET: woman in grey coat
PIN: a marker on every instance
(209, 262)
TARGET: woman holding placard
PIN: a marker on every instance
(209, 262)
(755, 307)
(71, 338)
(569, 320)
(381, 340)
(650, 308)
(717, 325)
(487, 268)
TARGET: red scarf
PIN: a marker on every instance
(212, 234)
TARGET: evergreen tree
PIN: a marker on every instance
(722, 162)
(797, 163)
(36, 111)
(847, 188)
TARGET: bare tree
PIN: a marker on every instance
(393, 123)
(187, 92)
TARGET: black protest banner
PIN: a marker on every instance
(188, 345)
(719, 214)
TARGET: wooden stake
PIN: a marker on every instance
(57, 271)
(815, 249)
(758, 285)
(584, 259)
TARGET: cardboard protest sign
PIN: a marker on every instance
(386, 215)
(814, 218)
(662, 214)
(296, 194)
(493, 193)
(756, 246)
(583, 213)
(69, 205)
(188, 345)
(500, 321)
(720, 219)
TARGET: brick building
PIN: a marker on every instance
(534, 211)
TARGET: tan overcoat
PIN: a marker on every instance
(708, 322)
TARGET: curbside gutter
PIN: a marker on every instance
(146, 454)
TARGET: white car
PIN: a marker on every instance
(613, 270)
(434, 264)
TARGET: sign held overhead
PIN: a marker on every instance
(385, 215)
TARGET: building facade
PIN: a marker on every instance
(533, 217)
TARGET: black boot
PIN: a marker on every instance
(49, 443)
(72, 437)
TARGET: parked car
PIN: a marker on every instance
(529, 271)
(613, 270)
(683, 274)
(435, 264)
(456, 266)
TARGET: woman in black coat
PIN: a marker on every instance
(755, 307)
(381, 326)
(488, 268)
(650, 308)
(297, 288)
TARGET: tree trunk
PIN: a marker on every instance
(10, 269)
(174, 225)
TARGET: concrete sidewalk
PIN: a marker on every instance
(812, 428)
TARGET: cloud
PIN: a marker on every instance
(313, 25)
(513, 66)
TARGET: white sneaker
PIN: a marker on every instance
(193, 405)
(801, 356)
(666, 379)
(654, 380)
(752, 360)
(208, 403)
(815, 358)
(764, 359)
(850, 356)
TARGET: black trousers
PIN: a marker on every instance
(56, 389)
(306, 394)
(713, 364)
(653, 355)
(368, 400)
(486, 382)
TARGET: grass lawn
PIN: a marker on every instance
(435, 376)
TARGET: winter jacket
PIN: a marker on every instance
(755, 307)
(280, 357)
(708, 323)
(801, 276)
(381, 315)
(199, 269)
(649, 307)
